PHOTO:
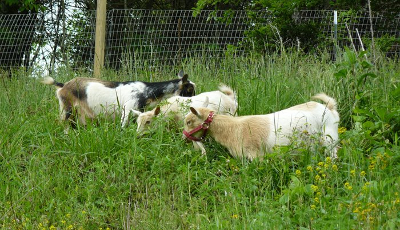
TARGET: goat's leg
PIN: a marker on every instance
(125, 117)
(198, 145)
(66, 115)
(126, 110)
(331, 141)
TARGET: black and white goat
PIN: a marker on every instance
(88, 97)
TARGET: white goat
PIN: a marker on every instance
(89, 97)
(252, 136)
(222, 101)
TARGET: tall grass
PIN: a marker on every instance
(103, 176)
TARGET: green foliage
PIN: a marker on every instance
(22, 5)
(378, 123)
(280, 29)
(102, 176)
(385, 43)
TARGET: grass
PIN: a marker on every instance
(103, 176)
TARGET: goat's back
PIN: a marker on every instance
(222, 101)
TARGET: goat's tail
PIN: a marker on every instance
(331, 103)
(51, 81)
(227, 91)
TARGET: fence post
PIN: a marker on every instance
(100, 37)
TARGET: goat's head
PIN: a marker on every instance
(186, 87)
(195, 118)
(144, 119)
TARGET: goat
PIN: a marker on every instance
(222, 101)
(251, 136)
(89, 97)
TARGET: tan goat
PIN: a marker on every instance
(252, 136)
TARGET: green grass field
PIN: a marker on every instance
(104, 177)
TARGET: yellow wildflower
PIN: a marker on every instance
(366, 211)
(298, 172)
(321, 164)
(317, 178)
(365, 186)
(313, 206)
(363, 173)
(353, 172)
(314, 188)
(309, 168)
(316, 199)
(348, 186)
(235, 216)
(356, 210)
(334, 168)
(328, 160)
(342, 130)
(371, 166)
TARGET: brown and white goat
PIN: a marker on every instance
(89, 97)
(252, 136)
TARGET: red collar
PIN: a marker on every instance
(204, 126)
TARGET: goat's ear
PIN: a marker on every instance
(185, 78)
(206, 102)
(194, 111)
(181, 73)
(157, 111)
(136, 112)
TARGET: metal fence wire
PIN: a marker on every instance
(168, 36)
(158, 37)
(18, 39)
(355, 26)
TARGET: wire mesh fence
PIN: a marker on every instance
(18, 39)
(169, 36)
(353, 27)
(162, 37)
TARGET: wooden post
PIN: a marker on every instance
(100, 37)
